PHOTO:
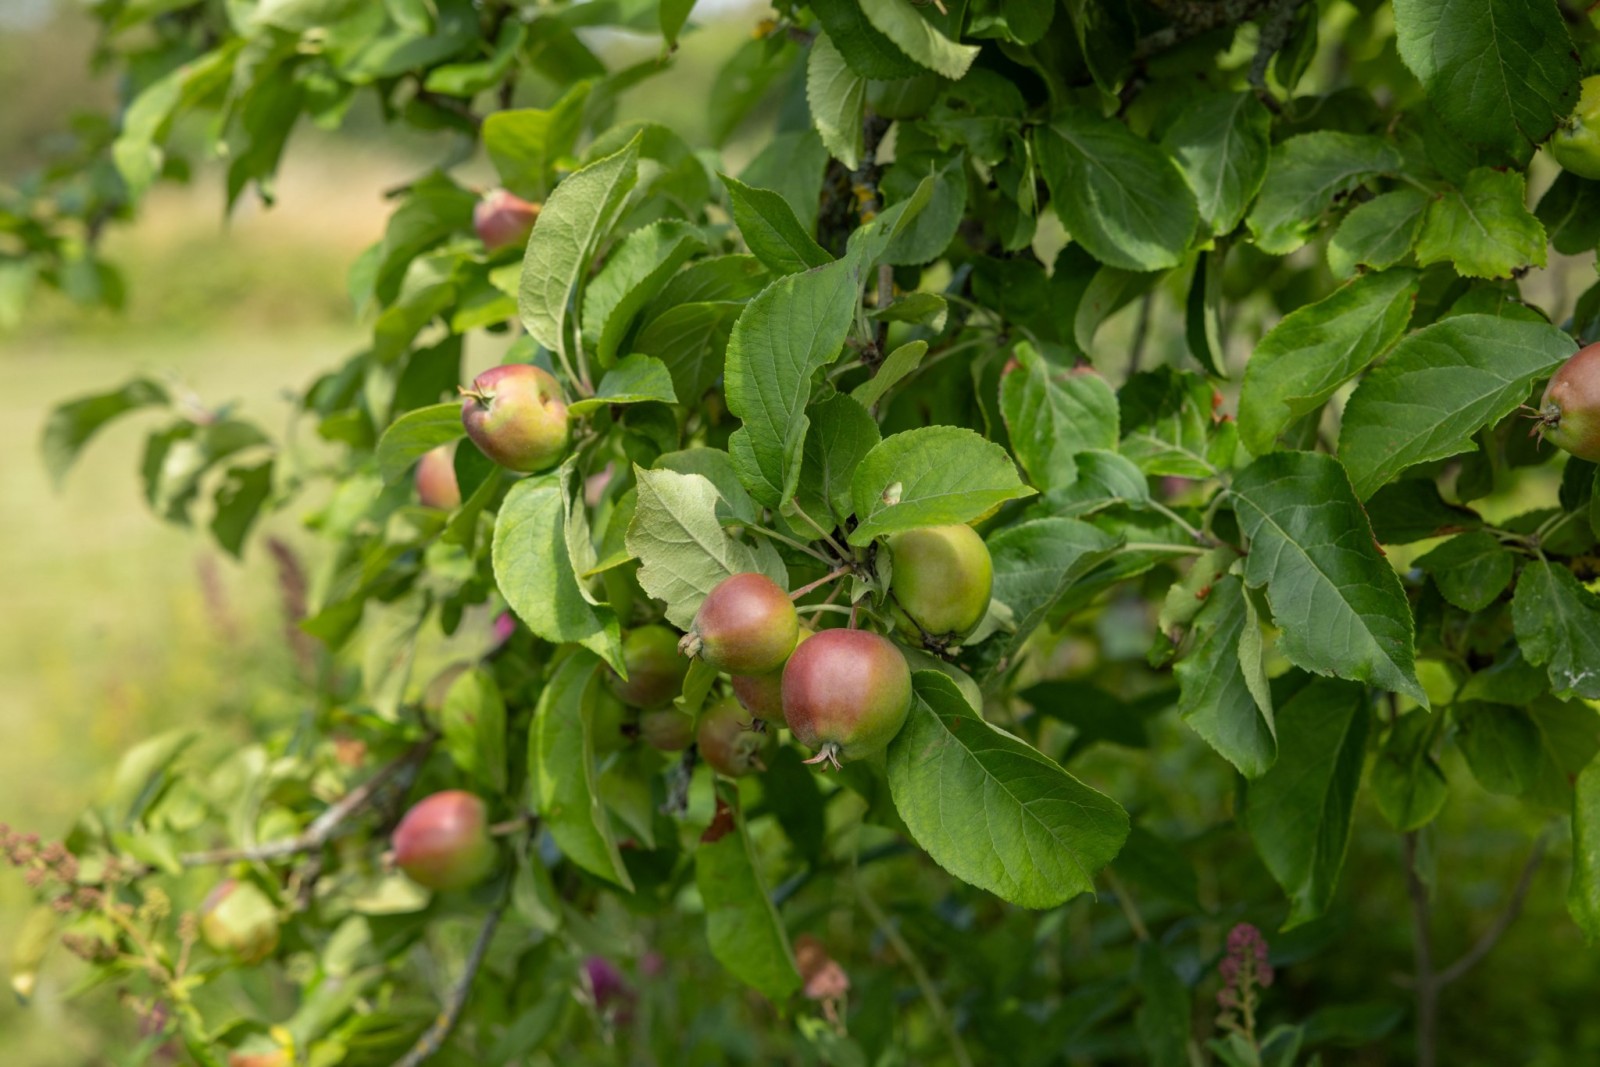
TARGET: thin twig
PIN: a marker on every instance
(838, 549)
(327, 825)
(1130, 910)
(1502, 922)
(930, 993)
(837, 572)
(433, 1038)
(1427, 985)
(791, 542)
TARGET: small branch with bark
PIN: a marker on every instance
(434, 1037)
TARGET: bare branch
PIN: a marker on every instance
(1502, 922)
(434, 1037)
(1427, 985)
(327, 825)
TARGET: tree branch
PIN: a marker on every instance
(434, 1037)
(327, 825)
(1191, 18)
(1427, 985)
(1502, 922)
(930, 992)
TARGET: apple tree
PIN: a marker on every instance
(940, 570)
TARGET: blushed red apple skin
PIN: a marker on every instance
(762, 694)
(942, 578)
(515, 414)
(846, 688)
(746, 625)
(728, 744)
(1569, 412)
(503, 219)
(655, 670)
(436, 479)
(443, 841)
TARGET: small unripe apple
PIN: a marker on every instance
(503, 219)
(515, 414)
(1576, 144)
(436, 479)
(443, 842)
(727, 741)
(762, 694)
(846, 694)
(655, 670)
(1569, 413)
(666, 729)
(240, 920)
(746, 625)
(941, 581)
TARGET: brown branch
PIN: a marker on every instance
(434, 1037)
(324, 827)
(1275, 30)
(1191, 18)
(1508, 915)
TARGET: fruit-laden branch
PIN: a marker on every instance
(1191, 18)
(433, 1038)
(327, 825)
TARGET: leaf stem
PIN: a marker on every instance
(807, 609)
(1130, 910)
(1157, 546)
(1189, 528)
(839, 550)
(791, 542)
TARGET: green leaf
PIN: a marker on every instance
(1501, 745)
(837, 95)
(1220, 701)
(1583, 893)
(71, 425)
(524, 143)
(842, 433)
(1412, 510)
(1220, 142)
(1167, 426)
(682, 549)
(1438, 388)
(674, 13)
(142, 775)
(1338, 602)
(917, 38)
(561, 759)
(1298, 813)
(1407, 782)
(994, 811)
(238, 503)
(1118, 195)
(636, 379)
(1314, 349)
(1378, 234)
(1471, 570)
(534, 572)
(899, 363)
(416, 433)
(1163, 1018)
(1037, 562)
(1570, 213)
(743, 928)
(690, 340)
(1557, 623)
(770, 230)
(793, 329)
(1484, 229)
(473, 722)
(1305, 175)
(1501, 73)
(1105, 479)
(926, 238)
(635, 271)
(579, 213)
(1053, 414)
(930, 476)
(1202, 314)
(863, 45)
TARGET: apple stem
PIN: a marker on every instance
(837, 572)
